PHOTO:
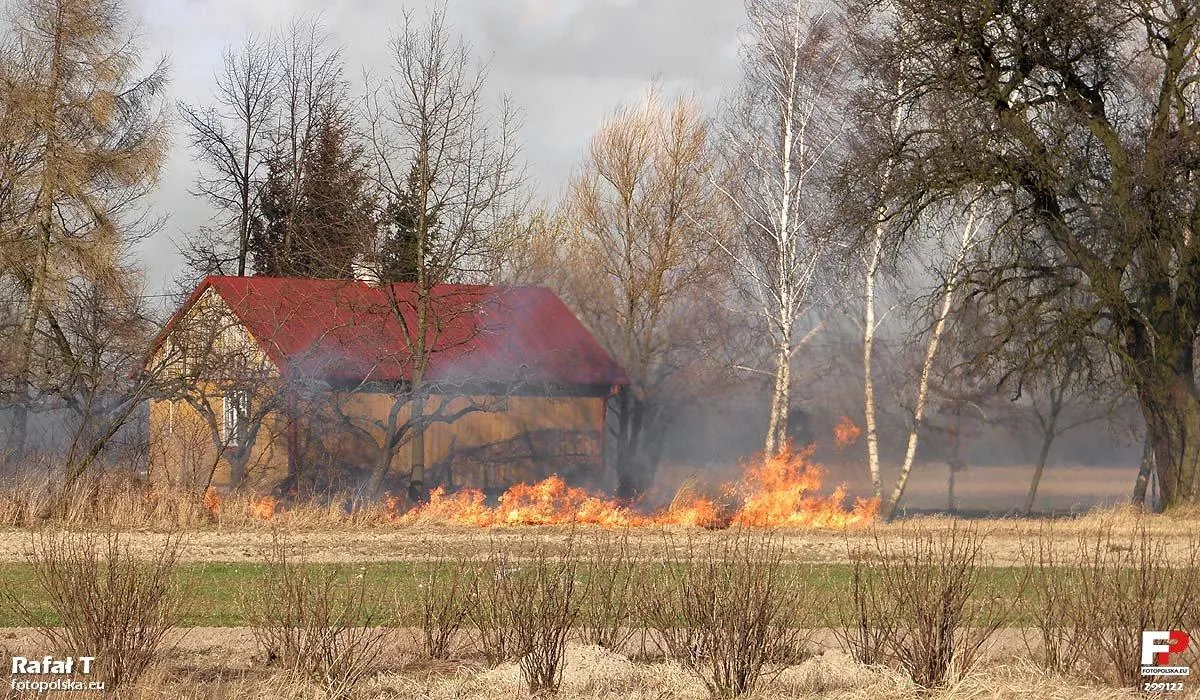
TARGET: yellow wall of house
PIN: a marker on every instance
(502, 419)
(183, 452)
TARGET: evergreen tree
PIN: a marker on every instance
(319, 230)
(400, 250)
(269, 226)
(334, 221)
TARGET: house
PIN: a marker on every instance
(317, 385)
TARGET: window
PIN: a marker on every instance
(235, 416)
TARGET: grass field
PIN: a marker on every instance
(216, 591)
(222, 563)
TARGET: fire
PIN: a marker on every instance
(845, 433)
(262, 507)
(777, 491)
(212, 500)
(782, 491)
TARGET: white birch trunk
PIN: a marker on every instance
(869, 327)
(939, 328)
(780, 394)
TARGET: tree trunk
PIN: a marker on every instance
(950, 487)
(417, 492)
(1171, 408)
(1047, 441)
(868, 374)
(45, 223)
(1048, 436)
(780, 392)
(1143, 475)
(630, 416)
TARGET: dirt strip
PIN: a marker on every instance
(1004, 543)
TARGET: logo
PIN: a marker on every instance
(47, 673)
(1158, 646)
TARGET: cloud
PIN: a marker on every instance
(566, 63)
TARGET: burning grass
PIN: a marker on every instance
(785, 490)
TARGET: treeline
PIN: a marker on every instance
(958, 215)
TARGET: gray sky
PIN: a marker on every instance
(566, 63)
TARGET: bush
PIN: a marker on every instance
(545, 598)
(443, 605)
(1119, 585)
(525, 610)
(111, 603)
(604, 616)
(946, 614)
(488, 605)
(862, 620)
(921, 605)
(1063, 625)
(731, 613)
(319, 624)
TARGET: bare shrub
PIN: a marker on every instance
(442, 606)
(1123, 583)
(608, 604)
(317, 622)
(944, 614)
(545, 598)
(1063, 625)
(487, 609)
(526, 609)
(112, 603)
(732, 614)
(861, 619)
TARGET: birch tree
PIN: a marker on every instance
(780, 138)
(957, 265)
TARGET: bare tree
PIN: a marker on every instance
(436, 143)
(781, 138)
(638, 259)
(1069, 113)
(232, 137)
(311, 84)
(99, 139)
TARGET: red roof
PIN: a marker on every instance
(352, 331)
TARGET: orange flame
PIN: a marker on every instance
(262, 507)
(212, 500)
(845, 433)
(777, 491)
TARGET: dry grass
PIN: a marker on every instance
(596, 674)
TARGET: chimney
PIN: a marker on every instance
(366, 269)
